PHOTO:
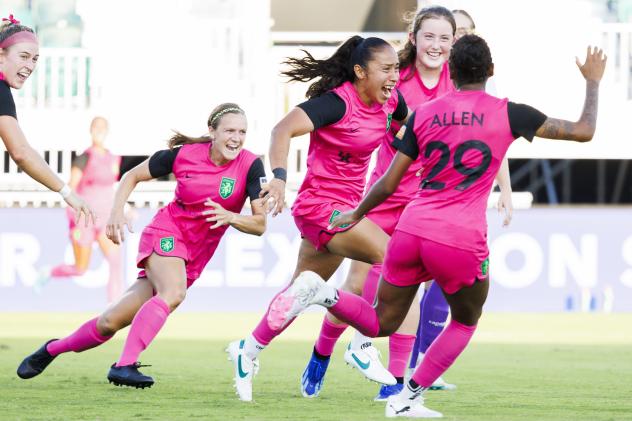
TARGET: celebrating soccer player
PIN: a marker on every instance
(462, 138)
(215, 175)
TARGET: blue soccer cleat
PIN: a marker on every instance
(314, 376)
(388, 390)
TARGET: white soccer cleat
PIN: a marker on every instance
(245, 369)
(308, 288)
(367, 361)
(399, 406)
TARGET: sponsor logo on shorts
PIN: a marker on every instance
(226, 187)
(389, 119)
(335, 213)
(485, 267)
(167, 244)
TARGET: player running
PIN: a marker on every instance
(424, 76)
(93, 174)
(462, 138)
(350, 109)
(215, 176)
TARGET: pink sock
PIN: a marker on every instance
(330, 332)
(64, 271)
(115, 281)
(443, 352)
(357, 312)
(263, 333)
(86, 337)
(399, 347)
(371, 283)
(145, 326)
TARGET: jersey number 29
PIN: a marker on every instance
(471, 173)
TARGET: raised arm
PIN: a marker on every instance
(584, 129)
(295, 123)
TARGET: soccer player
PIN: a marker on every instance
(350, 109)
(462, 138)
(93, 174)
(424, 76)
(215, 176)
(19, 52)
(433, 307)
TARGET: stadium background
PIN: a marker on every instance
(561, 273)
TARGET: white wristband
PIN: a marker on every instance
(65, 191)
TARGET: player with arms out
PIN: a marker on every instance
(462, 138)
(215, 176)
(350, 109)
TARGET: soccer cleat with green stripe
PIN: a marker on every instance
(245, 369)
(367, 361)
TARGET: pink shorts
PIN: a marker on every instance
(163, 243)
(386, 217)
(82, 235)
(411, 260)
(313, 226)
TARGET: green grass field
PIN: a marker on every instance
(519, 367)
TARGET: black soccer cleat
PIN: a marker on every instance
(128, 375)
(35, 363)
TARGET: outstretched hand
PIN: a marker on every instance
(594, 65)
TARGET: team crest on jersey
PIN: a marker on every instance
(167, 244)
(389, 119)
(335, 213)
(226, 187)
(485, 267)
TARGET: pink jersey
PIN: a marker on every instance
(97, 182)
(198, 178)
(462, 139)
(416, 94)
(339, 153)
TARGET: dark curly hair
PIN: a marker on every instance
(470, 60)
(335, 70)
